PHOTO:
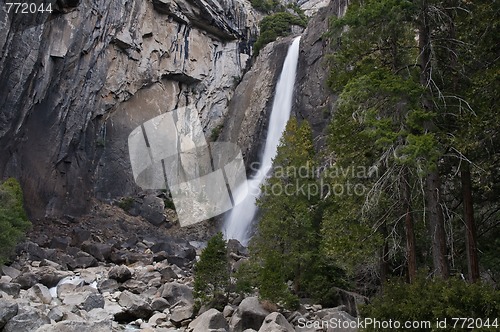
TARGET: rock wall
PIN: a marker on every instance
(75, 83)
(251, 105)
(314, 101)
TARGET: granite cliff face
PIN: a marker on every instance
(314, 100)
(75, 86)
(75, 83)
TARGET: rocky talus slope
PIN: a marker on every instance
(128, 275)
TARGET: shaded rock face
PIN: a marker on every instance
(251, 105)
(73, 88)
(314, 100)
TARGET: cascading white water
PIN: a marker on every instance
(238, 223)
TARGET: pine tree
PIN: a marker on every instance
(13, 220)
(287, 237)
(416, 83)
(211, 282)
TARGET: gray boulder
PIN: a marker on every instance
(174, 292)
(181, 312)
(27, 321)
(10, 271)
(159, 304)
(26, 280)
(276, 322)
(7, 311)
(107, 285)
(93, 301)
(40, 293)
(210, 321)
(153, 209)
(120, 273)
(135, 305)
(250, 314)
(10, 288)
(77, 326)
(342, 318)
(100, 251)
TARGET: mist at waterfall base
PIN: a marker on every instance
(239, 221)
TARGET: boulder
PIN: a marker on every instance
(159, 304)
(135, 286)
(93, 301)
(10, 271)
(210, 320)
(250, 314)
(351, 300)
(276, 322)
(79, 236)
(178, 252)
(56, 314)
(107, 285)
(26, 280)
(10, 288)
(84, 262)
(174, 292)
(32, 251)
(40, 293)
(228, 311)
(8, 310)
(120, 273)
(234, 246)
(50, 276)
(100, 251)
(168, 274)
(153, 210)
(157, 319)
(78, 326)
(76, 298)
(346, 321)
(60, 242)
(28, 321)
(135, 305)
(181, 312)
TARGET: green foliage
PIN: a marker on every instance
(246, 277)
(216, 132)
(211, 281)
(266, 6)
(13, 220)
(285, 257)
(169, 203)
(277, 25)
(432, 299)
(126, 203)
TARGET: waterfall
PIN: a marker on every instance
(239, 221)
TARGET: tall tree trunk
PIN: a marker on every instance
(384, 256)
(470, 225)
(436, 219)
(410, 232)
(436, 223)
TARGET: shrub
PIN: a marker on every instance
(216, 132)
(211, 274)
(126, 203)
(265, 6)
(276, 25)
(13, 220)
(432, 299)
